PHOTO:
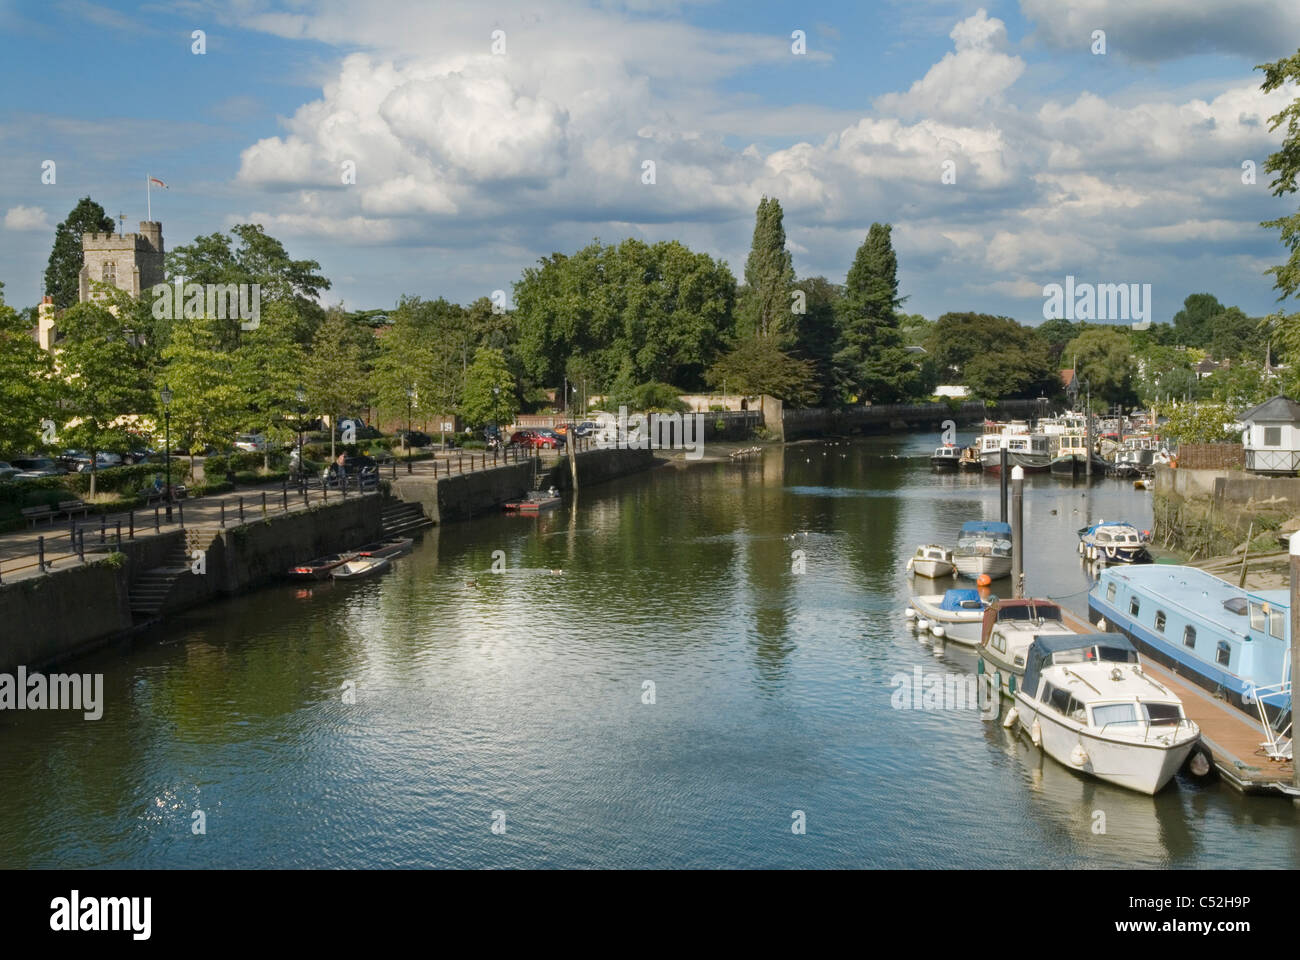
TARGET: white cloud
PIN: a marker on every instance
(22, 218)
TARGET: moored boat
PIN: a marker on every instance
(983, 547)
(1009, 627)
(945, 459)
(970, 459)
(388, 547)
(320, 568)
(1113, 541)
(1087, 702)
(1233, 642)
(359, 567)
(931, 560)
(955, 614)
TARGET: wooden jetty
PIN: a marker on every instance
(1235, 739)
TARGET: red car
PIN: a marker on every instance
(532, 439)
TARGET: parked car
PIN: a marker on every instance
(32, 468)
(252, 443)
(139, 455)
(552, 435)
(533, 439)
(8, 470)
(418, 438)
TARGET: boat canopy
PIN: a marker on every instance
(993, 527)
(961, 599)
(1111, 647)
(1026, 609)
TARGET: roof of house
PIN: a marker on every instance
(1280, 408)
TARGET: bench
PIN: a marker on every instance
(32, 514)
(152, 496)
(71, 508)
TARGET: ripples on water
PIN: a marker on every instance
(522, 693)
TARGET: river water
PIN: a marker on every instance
(521, 700)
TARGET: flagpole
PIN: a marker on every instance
(148, 199)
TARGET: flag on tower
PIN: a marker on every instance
(159, 182)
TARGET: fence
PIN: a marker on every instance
(1211, 456)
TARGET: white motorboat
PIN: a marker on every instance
(1009, 627)
(983, 547)
(954, 614)
(1113, 541)
(931, 560)
(1087, 702)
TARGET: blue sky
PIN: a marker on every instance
(1122, 167)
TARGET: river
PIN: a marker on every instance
(672, 695)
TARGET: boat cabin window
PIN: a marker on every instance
(1110, 592)
(1223, 654)
(1189, 636)
(1257, 616)
(1103, 536)
(1112, 654)
(1061, 701)
(1160, 714)
(1114, 713)
(999, 643)
(1160, 620)
(1134, 606)
(1277, 623)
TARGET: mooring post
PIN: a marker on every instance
(130, 519)
(40, 553)
(1295, 645)
(1002, 477)
(241, 510)
(1018, 531)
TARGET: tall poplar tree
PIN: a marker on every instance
(66, 260)
(769, 275)
(872, 363)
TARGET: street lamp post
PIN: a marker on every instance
(301, 395)
(410, 399)
(166, 396)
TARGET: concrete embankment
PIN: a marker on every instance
(1207, 513)
(48, 619)
(51, 618)
(462, 496)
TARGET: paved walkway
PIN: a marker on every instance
(20, 551)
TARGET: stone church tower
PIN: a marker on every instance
(132, 262)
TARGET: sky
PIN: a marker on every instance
(1005, 148)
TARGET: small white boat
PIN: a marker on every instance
(360, 567)
(983, 547)
(955, 614)
(931, 560)
(1086, 701)
(1113, 541)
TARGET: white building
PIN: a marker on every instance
(1271, 436)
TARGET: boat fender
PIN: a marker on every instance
(922, 624)
(909, 563)
(1011, 683)
(979, 667)
(1199, 762)
(937, 630)
(1101, 624)
(1012, 716)
(1078, 756)
(909, 613)
(1036, 734)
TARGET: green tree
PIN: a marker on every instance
(1058, 332)
(66, 260)
(26, 390)
(413, 354)
(1285, 163)
(995, 356)
(764, 307)
(871, 362)
(335, 374)
(105, 368)
(1193, 324)
(269, 369)
(208, 401)
(757, 365)
(489, 389)
(249, 255)
(1201, 422)
(1242, 385)
(1105, 360)
(1233, 336)
(816, 335)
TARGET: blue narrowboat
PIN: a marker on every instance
(1233, 642)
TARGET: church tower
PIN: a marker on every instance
(131, 262)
